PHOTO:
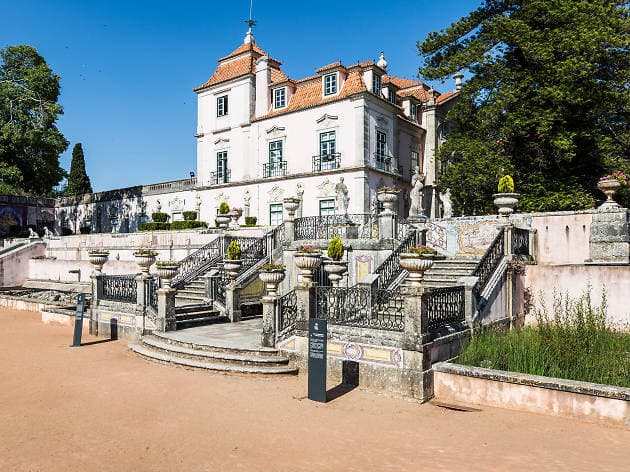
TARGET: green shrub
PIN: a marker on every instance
(155, 226)
(187, 224)
(189, 215)
(224, 208)
(422, 250)
(250, 221)
(335, 249)
(270, 267)
(234, 250)
(159, 217)
(85, 229)
(506, 184)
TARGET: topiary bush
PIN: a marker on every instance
(155, 226)
(189, 215)
(224, 208)
(506, 184)
(188, 224)
(250, 221)
(234, 250)
(159, 217)
(335, 249)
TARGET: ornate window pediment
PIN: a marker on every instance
(276, 131)
(326, 189)
(276, 193)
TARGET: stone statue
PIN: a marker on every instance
(447, 205)
(143, 208)
(299, 190)
(246, 198)
(158, 207)
(415, 195)
(198, 204)
(32, 234)
(342, 198)
(374, 205)
(47, 233)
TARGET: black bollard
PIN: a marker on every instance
(78, 320)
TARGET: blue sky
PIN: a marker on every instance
(128, 67)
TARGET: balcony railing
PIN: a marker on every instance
(217, 178)
(383, 162)
(326, 162)
(275, 169)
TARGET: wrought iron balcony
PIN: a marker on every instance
(383, 161)
(217, 178)
(326, 162)
(275, 169)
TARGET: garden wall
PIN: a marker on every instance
(59, 270)
(14, 264)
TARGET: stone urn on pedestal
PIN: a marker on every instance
(291, 205)
(98, 258)
(609, 185)
(235, 214)
(233, 263)
(272, 275)
(167, 270)
(223, 215)
(308, 259)
(505, 200)
(145, 258)
(334, 266)
(388, 196)
(417, 261)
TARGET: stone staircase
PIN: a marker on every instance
(191, 316)
(445, 272)
(193, 293)
(212, 356)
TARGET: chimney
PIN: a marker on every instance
(458, 80)
(263, 79)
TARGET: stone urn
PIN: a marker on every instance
(145, 260)
(506, 202)
(416, 265)
(167, 271)
(291, 205)
(98, 260)
(271, 278)
(335, 270)
(235, 214)
(308, 262)
(223, 219)
(388, 198)
(232, 267)
(609, 187)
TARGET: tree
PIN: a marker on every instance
(78, 180)
(548, 100)
(30, 143)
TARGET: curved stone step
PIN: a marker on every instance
(259, 351)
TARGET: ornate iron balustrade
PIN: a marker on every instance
(287, 312)
(252, 250)
(520, 244)
(197, 263)
(326, 162)
(152, 298)
(217, 286)
(320, 277)
(402, 228)
(358, 226)
(444, 306)
(490, 261)
(361, 307)
(275, 169)
(119, 288)
(391, 268)
(217, 178)
(277, 237)
(383, 162)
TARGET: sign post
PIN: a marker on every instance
(78, 320)
(317, 334)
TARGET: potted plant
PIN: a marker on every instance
(388, 196)
(417, 260)
(334, 266)
(235, 214)
(506, 199)
(145, 258)
(166, 271)
(98, 258)
(272, 275)
(223, 216)
(233, 262)
(307, 259)
(609, 184)
(291, 204)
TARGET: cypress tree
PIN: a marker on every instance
(78, 180)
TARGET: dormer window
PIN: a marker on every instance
(280, 97)
(413, 111)
(330, 84)
(391, 95)
(376, 84)
(222, 105)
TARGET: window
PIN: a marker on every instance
(415, 159)
(376, 84)
(275, 153)
(279, 97)
(391, 95)
(275, 214)
(222, 168)
(382, 160)
(330, 84)
(327, 143)
(414, 111)
(327, 207)
(222, 105)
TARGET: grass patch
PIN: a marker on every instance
(576, 343)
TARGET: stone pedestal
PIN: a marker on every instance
(386, 225)
(609, 240)
(166, 309)
(270, 320)
(233, 302)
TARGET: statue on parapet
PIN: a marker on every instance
(447, 205)
(342, 199)
(416, 210)
(32, 234)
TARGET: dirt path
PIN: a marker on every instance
(102, 408)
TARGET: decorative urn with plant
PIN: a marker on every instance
(417, 260)
(388, 196)
(291, 204)
(609, 185)
(167, 270)
(98, 258)
(233, 262)
(334, 266)
(308, 258)
(145, 258)
(223, 216)
(272, 275)
(235, 214)
(506, 199)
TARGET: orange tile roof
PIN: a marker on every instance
(278, 76)
(243, 48)
(420, 93)
(329, 66)
(446, 96)
(400, 82)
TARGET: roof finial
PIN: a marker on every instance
(249, 37)
(382, 63)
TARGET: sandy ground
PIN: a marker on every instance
(100, 408)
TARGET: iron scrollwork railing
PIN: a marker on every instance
(119, 288)
(391, 268)
(152, 298)
(361, 307)
(326, 162)
(520, 244)
(444, 306)
(489, 262)
(197, 263)
(277, 237)
(217, 286)
(287, 311)
(358, 226)
(252, 251)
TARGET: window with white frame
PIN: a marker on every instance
(275, 214)
(327, 143)
(376, 84)
(222, 167)
(327, 207)
(391, 95)
(415, 160)
(413, 111)
(275, 153)
(280, 97)
(330, 84)
(222, 105)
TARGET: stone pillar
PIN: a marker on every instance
(507, 239)
(233, 302)
(166, 309)
(470, 299)
(96, 295)
(270, 321)
(386, 226)
(142, 301)
(609, 241)
(305, 294)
